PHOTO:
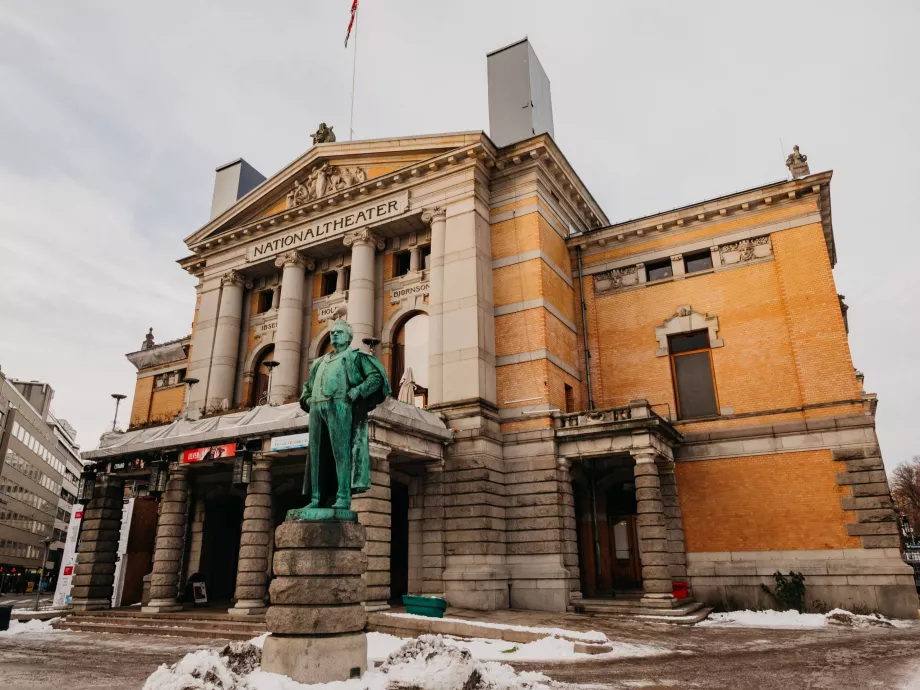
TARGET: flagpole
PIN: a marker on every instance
(354, 67)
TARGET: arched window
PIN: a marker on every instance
(410, 351)
(260, 378)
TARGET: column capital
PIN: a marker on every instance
(234, 277)
(644, 456)
(263, 463)
(378, 450)
(294, 258)
(434, 214)
(364, 236)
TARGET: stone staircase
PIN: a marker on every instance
(688, 612)
(195, 624)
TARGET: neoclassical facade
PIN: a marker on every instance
(587, 411)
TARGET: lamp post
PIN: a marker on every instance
(189, 381)
(118, 398)
(46, 542)
(271, 364)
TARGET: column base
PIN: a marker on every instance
(248, 608)
(90, 604)
(316, 659)
(162, 606)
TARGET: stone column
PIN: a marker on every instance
(170, 544)
(340, 279)
(437, 218)
(653, 538)
(677, 552)
(433, 542)
(94, 576)
(255, 542)
(364, 244)
(415, 254)
(226, 341)
(286, 377)
(374, 511)
(316, 618)
(276, 296)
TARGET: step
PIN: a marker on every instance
(196, 614)
(181, 631)
(254, 627)
(633, 608)
(691, 619)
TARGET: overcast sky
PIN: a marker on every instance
(113, 116)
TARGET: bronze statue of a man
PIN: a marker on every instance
(344, 385)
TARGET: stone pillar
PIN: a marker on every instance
(276, 296)
(437, 217)
(415, 254)
(364, 244)
(170, 544)
(340, 279)
(433, 551)
(374, 511)
(286, 377)
(653, 541)
(94, 576)
(677, 552)
(255, 542)
(226, 341)
(316, 618)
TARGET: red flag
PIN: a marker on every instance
(351, 22)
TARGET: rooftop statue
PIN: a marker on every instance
(148, 340)
(323, 135)
(797, 162)
(344, 386)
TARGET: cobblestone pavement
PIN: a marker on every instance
(706, 658)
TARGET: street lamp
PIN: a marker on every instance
(158, 477)
(118, 398)
(271, 364)
(86, 486)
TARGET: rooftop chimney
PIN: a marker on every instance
(232, 182)
(520, 106)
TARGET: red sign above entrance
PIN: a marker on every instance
(227, 450)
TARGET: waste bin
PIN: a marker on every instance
(5, 613)
(433, 607)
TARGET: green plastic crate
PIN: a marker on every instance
(433, 607)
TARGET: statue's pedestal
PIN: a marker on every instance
(316, 618)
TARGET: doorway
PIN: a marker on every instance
(399, 541)
(220, 547)
(606, 517)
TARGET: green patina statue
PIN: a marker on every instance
(344, 385)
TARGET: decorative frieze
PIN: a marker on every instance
(616, 278)
(746, 250)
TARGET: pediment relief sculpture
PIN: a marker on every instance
(324, 179)
(686, 320)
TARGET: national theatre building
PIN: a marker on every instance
(584, 411)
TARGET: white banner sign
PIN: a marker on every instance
(126, 513)
(330, 226)
(290, 441)
(69, 558)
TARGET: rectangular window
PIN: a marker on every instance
(701, 261)
(347, 280)
(659, 270)
(329, 280)
(694, 381)
(265, 301)
(426, 256)
(401, 263)
(569, 398)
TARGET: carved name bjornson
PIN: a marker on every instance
(724, 255)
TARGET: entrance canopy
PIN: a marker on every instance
(391, 418)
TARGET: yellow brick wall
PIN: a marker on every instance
(764, 503)
(167, 403)
(140, 406)
(525, 381)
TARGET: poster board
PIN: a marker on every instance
(69, 558)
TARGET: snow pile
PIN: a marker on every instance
(430, 663)
(845, 619)
(32, 626)
(209, 669)
(592, 636)
(794, 619)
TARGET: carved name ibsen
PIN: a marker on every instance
(330, 226)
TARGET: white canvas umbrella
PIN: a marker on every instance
(407, 387)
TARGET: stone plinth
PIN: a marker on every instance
(94, 575)
(316, 618)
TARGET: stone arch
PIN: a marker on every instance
(406, 311)
(685, 320)
(255, 355)
(316, 343)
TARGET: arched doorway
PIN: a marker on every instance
(410, 351)
(261, 378)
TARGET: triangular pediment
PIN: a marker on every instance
(331, 167)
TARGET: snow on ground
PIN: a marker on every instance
(32, 626)
(592, 636)
(794, 619)
(381, 645)
(426, 663)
